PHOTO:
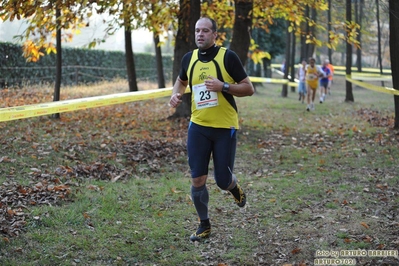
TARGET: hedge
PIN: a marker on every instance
(79, 66)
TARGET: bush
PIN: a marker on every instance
(79, 66)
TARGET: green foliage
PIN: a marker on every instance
(79, 66)
(272, 41)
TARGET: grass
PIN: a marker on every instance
(323, 180)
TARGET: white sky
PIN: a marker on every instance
(140, 38)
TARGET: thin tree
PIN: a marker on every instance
(160, 19)
(129, 56)
(312, 31)
(379, 38)
(359, 14)
(128, 11)
(158, 56)
(284, 91)
(58, 76)
(304, 34)
(292, 61)
(329, 27)
(349, 94)
(393, 43)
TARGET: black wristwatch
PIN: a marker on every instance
(226, 87)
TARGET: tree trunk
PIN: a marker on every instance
(349, 93)
(312, 32)
(393, 43)
(266, 68)
(359, 14)
(130, 66)
(284, 91)
(58, 76)
(242, 29)
(188, 15)
(158, 56)
(292, 62)
(329, 27)
(379, 39)
(304, 33)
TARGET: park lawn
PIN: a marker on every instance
(110, 185)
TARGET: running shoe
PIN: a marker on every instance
(203, 231)
(242, 200)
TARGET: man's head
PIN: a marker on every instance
(312, 61)
(205, 33)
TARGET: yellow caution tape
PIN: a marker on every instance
(275, 81)
(366, 76)
(343, 68)
(365, 69)
(372, 78)
(26, 111)
(268, 80)
(371, 86)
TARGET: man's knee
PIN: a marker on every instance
(199, 181)
(227, 184)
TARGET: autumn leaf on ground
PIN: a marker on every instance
(295, 250)
(382, 186)
(174, 190)
(380, 246)
(364, 225)
(367, 239)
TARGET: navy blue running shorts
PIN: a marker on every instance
(202, 142)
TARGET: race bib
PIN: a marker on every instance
(311, 77)
(203, 98)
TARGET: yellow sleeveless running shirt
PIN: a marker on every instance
(312, 77)
(210, 109)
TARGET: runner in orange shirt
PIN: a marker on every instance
(330, 78)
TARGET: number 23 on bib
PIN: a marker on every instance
(204, 98)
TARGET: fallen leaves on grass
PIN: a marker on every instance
(154, 153)
(16, 199)
(149, 155)
(375, 118)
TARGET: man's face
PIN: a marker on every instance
(311, 63)
(204, 35)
